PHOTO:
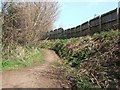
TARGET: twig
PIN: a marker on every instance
(96, 80)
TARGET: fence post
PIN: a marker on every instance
(118, 15)
(80, 30)
(89, 27)
(100, 24)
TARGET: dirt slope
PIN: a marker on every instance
(36, 77)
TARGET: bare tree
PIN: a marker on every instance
(27, 22)
(32, 19)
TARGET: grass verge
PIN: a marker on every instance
(30, 59)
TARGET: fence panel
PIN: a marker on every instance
(78, 31)
(94, 26)
(109, 20)
(84, 28)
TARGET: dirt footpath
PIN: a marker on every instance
(36, 77)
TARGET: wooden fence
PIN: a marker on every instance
(106, 21)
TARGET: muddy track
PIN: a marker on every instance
(35, 77)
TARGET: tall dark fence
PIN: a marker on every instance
(106, 21)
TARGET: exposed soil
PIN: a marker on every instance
(41, 76)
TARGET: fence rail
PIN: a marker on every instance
(106, 21)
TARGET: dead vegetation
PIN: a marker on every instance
(90, 61)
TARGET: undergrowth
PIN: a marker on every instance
(90, 61)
